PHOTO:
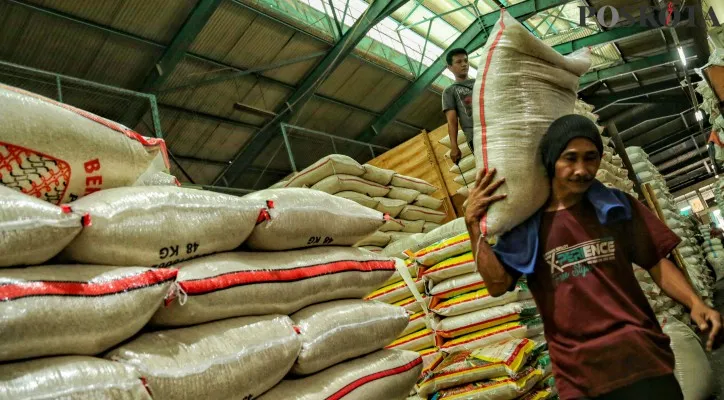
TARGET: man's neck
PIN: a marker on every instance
(561, 199)
(459, 79)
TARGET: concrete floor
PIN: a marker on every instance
(717, 356)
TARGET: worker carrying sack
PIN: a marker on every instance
(339, 330)
(237, 284)
(76, 309)
(238, 358)
(298, 218)
(71, 377)
(386, 374)
(59, 153)
(31, 230)
(158, 226)
(512, 110)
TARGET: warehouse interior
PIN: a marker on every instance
(255, 98)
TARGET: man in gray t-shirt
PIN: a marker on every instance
(457, 101)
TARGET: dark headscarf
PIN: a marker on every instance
(562, 131)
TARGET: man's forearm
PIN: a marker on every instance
(452, 131)
(497, 279)
(673, 282)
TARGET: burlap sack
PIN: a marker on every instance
(415, 213)
(452, 327)
(378, 238)
(401, 193)
(417, 323)
(359, 198)
(397, 249)
(410, 182)
(466, 164)
(159, 226)
(237, 358)
(412, 226)
(76, 309)
(59, 153)
(426, 201)
(336, 331)
(445, 141)
(333, 164)
(465, 151)
(71, 377)
(156, 178)
(393, 207)
(429, 227)
(692, 368)
(338, 183)
(523, 88)
(467, 177)
(377, 174)
(31, 230)
(306, 218)
(374, 249)
(396, 236)
(385, 374)
(392, 225)
(243, 283)
(447, 230)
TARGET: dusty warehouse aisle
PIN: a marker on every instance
(717, 356)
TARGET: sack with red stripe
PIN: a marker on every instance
(416, 323)
(527, 328)
(431, 358)
(71, 377)
(299, 218)
(336, 331)
(158, 226)
(58, 153)
(504, 388)
(457, 285)
(452, 327)
(378, 175)
(385, 374)
(411, 267)
(405, 194)
(415, 341)
(443, 249)
(479, 300)
(332, 164)
(339, 183)
(417, 213)
(411, 304)
(395, 292)
(76, 309)
(377, 238)
(33, 231)
(512, 110)
(237, 358)
(244, 283)
(409, 182)
(454, 266)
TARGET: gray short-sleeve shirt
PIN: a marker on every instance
(459, 97)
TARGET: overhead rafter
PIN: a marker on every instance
(600, 38)
(471, 39)
(375, 13)
(633, 66)
(601, 102)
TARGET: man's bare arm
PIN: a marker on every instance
(452, 131)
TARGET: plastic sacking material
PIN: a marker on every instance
(460, 325)
(415, 341)
(427, 201)
(76, 309)
(416, 213)
(401, 193)
(158, 226)
(359, 198)
(230, 359)
(245, 283)
(393, 207)
(454, 266)
(495, 389)
(299, 218)
(33, 230)
(394, 292)
(338, 183)
(466, 164)
(377, 238)
(385, 374)
(527, 328)
(444, 249)
(512, 110)
(692, 368)
(479, 300)
(339, 330)
(409, 182)
(71, 377)
(458, 285)
(334, 164)
(378, 175)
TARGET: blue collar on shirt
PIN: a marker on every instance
(518, 249)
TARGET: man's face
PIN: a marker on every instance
(459, 66)
(577, 166)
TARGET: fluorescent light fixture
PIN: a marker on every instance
(681, 54)
(699, 115)
(687, 208)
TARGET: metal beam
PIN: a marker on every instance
(602, 102)
(273, 171)
(633, 66)
(210, 117)
(374, 14)
(601, 38)
(471, 39)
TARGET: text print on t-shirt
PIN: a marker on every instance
(578, 260)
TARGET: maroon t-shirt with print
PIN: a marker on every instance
(601, 331)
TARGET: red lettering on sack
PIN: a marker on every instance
(92, 166)
(94, 180)
(92, 183)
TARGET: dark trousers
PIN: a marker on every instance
(659, 388)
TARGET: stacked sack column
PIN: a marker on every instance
(465, 171)
(713, 250)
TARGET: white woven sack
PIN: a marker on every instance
(465, 150)
(512, 110)
(305, 218)
(374, 249)
(230, 359)
(429, 227)
(393, 207)
(243, 283)
(336, 331)
(687, 251)
(409, 182)
(456, 284)
(400, 193)
(32, 231)
(58, 153)
(71, 377)
(392, 225)
(333, 164)
(466, 164)
(465, 190)
(415, 213)
(692, 368)
(359, 198)
(426, 201)
(396, 236)
(459, 325)
(76, 309)
(397, 248)
(377, 238)
(377, 174)
(385, 374)
(339, 183)
(412, 226)
(445, 141)
(158, 226)
(446, 230)
(279, 184)
(467, 177)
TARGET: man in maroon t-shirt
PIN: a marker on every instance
(603, 336)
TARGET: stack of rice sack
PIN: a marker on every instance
(719, 194)
(465, 171)
(404, 199)
(713, 251)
